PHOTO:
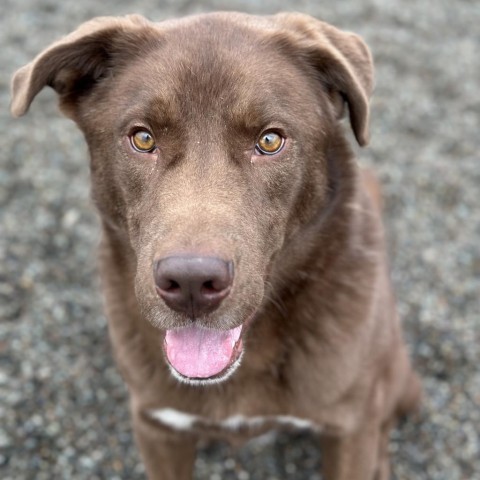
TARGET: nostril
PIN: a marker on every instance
(172, 286)
(214, 287)
(166, 284)
(208, 287)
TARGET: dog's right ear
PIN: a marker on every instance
(75, 64)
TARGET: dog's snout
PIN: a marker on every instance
(193, 285)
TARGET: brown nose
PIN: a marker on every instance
(193, 285)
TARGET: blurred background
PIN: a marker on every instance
(63, 408)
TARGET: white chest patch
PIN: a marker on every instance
(186, 422)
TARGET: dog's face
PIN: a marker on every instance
(208, 139)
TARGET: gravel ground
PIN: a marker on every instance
(63, 410)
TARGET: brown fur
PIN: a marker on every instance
(302, 228)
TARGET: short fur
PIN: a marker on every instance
(323, 344)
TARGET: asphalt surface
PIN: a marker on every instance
(63, 409)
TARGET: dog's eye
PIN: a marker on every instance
(270, 143)
(142, 141)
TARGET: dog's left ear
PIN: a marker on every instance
(341, 59)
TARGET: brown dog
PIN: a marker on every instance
(243, 257)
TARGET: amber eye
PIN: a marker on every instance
(270, 143)
(142, 141)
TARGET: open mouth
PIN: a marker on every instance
(198, 353)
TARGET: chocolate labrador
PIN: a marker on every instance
(243, 256)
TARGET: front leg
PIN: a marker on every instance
(353, 457)
(166, 455)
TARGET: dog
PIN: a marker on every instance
(243, 256)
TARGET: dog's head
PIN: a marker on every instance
(209, 140)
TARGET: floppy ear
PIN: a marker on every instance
(341, 59)
(75, 64)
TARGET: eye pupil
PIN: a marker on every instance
(269, 139)
(143, 141)
(270, 143)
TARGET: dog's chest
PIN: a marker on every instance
(237, 425)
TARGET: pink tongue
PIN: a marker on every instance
(199, 352)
